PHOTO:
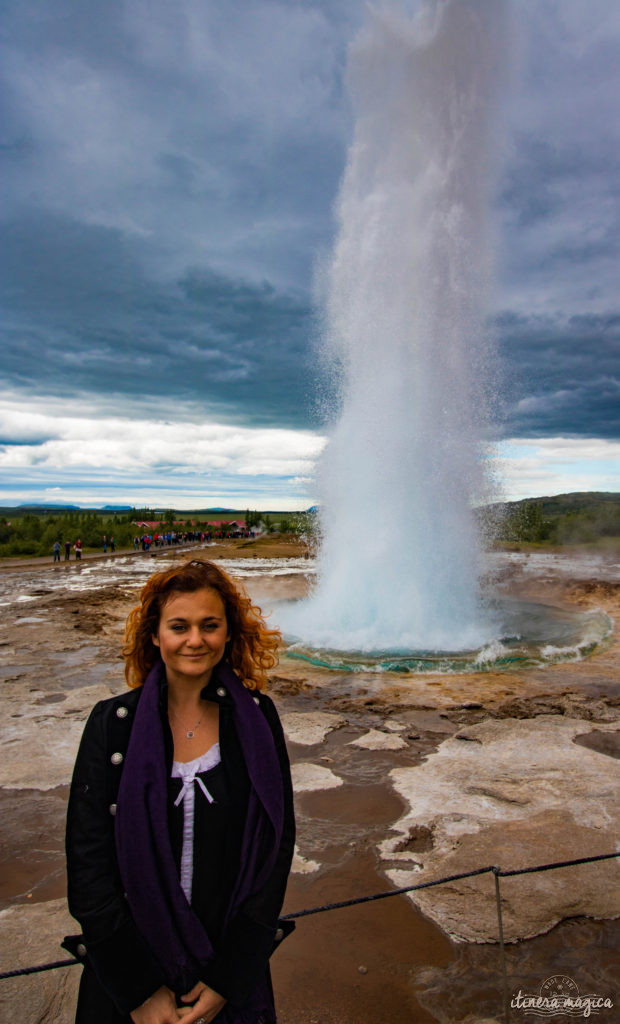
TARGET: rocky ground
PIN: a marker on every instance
(398, 779)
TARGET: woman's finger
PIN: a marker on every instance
(207, 1007)
(194, 993)
(189, 1015)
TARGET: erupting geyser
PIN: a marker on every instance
(399, 563)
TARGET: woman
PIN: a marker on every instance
(180, 828)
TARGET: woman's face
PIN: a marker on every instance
(192, 635)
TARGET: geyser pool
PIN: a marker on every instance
(399, 561)
(533, 635)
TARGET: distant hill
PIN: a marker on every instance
(576, 501)
(581, 517)
(189, 513)
(45, 507)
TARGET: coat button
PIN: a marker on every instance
(80, 949)
(256, 700)
(121, 712)
(279, 935)
(116, 758)
(221, 692)
(112, 809)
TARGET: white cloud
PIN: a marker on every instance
(149, 460)
(530, 467)
(115, 443)
(108, 458)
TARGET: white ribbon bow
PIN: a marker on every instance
(187, 785)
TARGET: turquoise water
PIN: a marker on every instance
(530, 635)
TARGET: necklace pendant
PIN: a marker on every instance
(190, 734)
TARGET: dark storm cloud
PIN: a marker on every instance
(559, 329)
(561, 223)
(169, 173)
(200, 127)
(561, 377)
(82, 317)
(559, 191)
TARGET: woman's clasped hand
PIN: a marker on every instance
(161, 1008)
(208, 1004)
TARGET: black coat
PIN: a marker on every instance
(123, 971)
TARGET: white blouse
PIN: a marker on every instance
(189, 772)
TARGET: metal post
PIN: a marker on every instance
(501, 946)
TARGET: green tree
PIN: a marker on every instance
(529, 524)
(268, 523)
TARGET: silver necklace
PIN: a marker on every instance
(188, 732)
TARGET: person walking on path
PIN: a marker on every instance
(67, 550)
(78, 549)
(56, 550)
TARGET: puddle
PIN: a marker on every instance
(607, 743)
(16, 671)
(32, 858)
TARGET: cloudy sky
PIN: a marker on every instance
(169, 175)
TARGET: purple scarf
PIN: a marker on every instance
(146, 862)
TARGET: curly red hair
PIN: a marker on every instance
(252, 648)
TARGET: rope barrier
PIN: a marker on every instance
(496, 871)
(384, 895)
(502, 948)
(37, 970)
(441, 881)
(557, 864)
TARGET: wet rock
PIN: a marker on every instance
(39, 748)
(32, 844)
(376, 740)
(302, 865)
(419, 840)
(287, 686)
(30, 935)
(310, 727)
(572, 705)
(308, 777)
(523, 793)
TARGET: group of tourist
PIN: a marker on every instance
(148, 540)
(160, 540)
(77, 547)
